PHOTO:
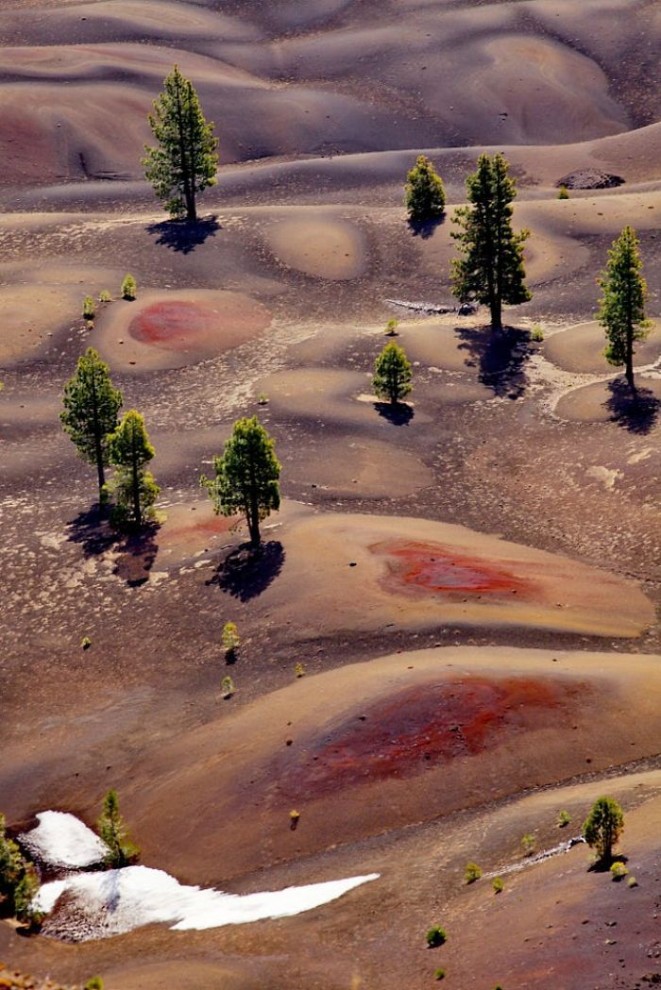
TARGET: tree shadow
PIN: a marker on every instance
(636, 412)
(500, 357)
(183, 236)
(399, 413)
(246, 573)
(136, 550)
(93, 531)
(425, 228)
(604, 864)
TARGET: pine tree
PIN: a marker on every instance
(603, 827)
(247, 476)
(134, 487)
(91, 405)
(622, 306)
(112, 830)
(392, 373)
(425, 193)
(18, 878)
(492, 269)
(185, 160)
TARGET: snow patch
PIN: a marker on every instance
(62, 841)
(98, 905)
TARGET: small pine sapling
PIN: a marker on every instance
(129, 287)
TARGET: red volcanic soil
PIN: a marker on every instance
(176, 325)
(432, 722)
(432, 568)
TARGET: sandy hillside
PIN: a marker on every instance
(451, 632)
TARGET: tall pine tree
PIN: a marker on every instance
(622, 306)
(91, 405)
(134, 487)
(247, 475)
(185, 160)
(491, 269)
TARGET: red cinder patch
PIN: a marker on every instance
(430, 724)
(444, 570)
(176, 325)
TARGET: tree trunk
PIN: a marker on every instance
(496, 313)
(191, 208)
(137, 510)
(99, 470)
(628, 366)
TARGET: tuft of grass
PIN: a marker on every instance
(104, 296)
(299, 669)
(436, 936)
(472, 872)
(85, 643)
(536, 333)
(439, 974)
(498, 885)
(88, 308)
(632, 882)
(227, 687)
(564, 819)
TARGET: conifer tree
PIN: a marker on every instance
(425, 193)
(185, 160)
(622, 306)
(603, 826)
(392, 373)
(247, 476)
(91, 405)
(112, 830)
(491, 269)
(18, 878)
(134, 487)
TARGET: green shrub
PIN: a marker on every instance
(528, 844)
(129, 287)
(632, 882)
(231, 641)
(439, 974)
(227, 687)
(618, 870)
(472, 872)
(563, 192)
(391, 328)
(603, 827)
(88, 308)
(94, 983)
(436, 936)
(536, 333)
(498, 885)
(104, 296)
(85, 643)
(299, 670)
(564, 819)
(424, 193)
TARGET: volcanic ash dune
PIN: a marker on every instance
(381, 744)
(367, 573)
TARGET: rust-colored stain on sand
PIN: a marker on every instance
(420, 727)
(444, 570)
(176, 325)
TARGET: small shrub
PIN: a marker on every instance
(528, 844)
(632, 882)
(94, 983)
(262, 399)
(88, 308)
(564, 819)
(104, 297)
(294, 815)
(536, 333)
(231, 641)
(85, 643)
(472, 872)
(563, 192)
(439, 974)
(436, 936)
(227, 687)
(129, 287)
(391, 328)
(498, 885)
(299, 670)
(618, 870)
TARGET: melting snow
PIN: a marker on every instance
(100, 904)
(62, 841)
